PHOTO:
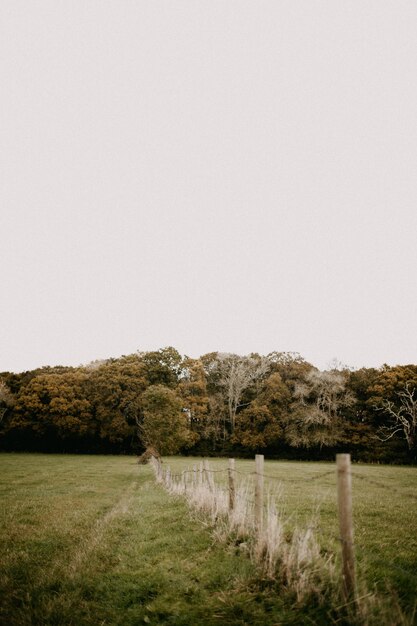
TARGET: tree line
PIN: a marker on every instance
(218, 404)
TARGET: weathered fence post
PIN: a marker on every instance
(259, 492)
(194, 476)
(344, 500)
(209, 476)
(212, 480)
(168, 477)
(205, 472)
(231, 472)
(200, 473)
(184, 481)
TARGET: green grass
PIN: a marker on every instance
(91, 540)
(384, 508)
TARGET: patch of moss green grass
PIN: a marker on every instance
(384, 512)
(92, 540)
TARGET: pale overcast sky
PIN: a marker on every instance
(224, 175)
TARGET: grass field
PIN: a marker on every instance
(93, 540)
(385, 513)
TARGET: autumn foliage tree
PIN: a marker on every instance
(115, 390)
(217, 404)
(256, 428)
(164, 425)
(55, 407)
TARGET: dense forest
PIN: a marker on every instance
(219, 404)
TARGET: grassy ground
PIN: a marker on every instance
(92, 540)
(384, 507)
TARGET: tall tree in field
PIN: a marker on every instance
(115, 391)
(164, 425)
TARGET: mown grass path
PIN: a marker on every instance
(93, 540)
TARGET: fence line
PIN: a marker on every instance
(304, 480)
(230, 501)
(269, 476)
(389, 488)
(278, 479)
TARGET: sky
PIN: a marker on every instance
(225, 175)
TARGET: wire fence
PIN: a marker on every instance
(249, 474)
(392, 489)
(233, 494)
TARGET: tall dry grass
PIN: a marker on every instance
(288, 554)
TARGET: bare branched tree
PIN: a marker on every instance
(326, 390)
(315, 418)
(402, 415)
(236, 374)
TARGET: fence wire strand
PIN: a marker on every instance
(364, 556)
(269, 476)
(389, 488)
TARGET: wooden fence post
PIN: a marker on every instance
(259, 492)
(231, 472)
(209, 477)
(200, 473)
(194, 475)
(212, 481)
(344, 499)
(168, 477)
(205, 472)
